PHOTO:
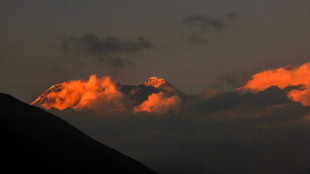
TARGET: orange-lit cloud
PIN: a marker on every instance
(282, 78)
(98, 94)
(159, 103)
(103, 96)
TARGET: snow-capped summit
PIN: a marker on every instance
(43, 97)
(156, 82)
(162, 85)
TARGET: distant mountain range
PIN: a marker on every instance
(35, 141)
(138, 93)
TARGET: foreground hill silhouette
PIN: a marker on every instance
(33, 140)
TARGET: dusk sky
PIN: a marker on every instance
(236, 94)
(196, 45)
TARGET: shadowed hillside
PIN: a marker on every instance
(33, 140)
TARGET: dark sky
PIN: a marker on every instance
(196, 45)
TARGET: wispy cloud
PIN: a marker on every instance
(203, 22)
(196, 40)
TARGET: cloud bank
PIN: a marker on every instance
(283, 77)
(270, 87)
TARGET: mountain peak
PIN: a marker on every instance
(162, 85)
(155, 82)
(43, 97)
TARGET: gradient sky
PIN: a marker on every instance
(196, 45)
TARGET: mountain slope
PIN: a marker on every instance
(33, 140)
(43, 97)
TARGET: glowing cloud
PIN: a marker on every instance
(282, 78)
(103, 96)
(98, 94)
(159, 103)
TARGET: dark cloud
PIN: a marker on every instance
(196, 40)
(203, 22)
(228, 100)
(106, 48)
(91, 44)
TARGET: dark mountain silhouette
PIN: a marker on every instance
(33, 140)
